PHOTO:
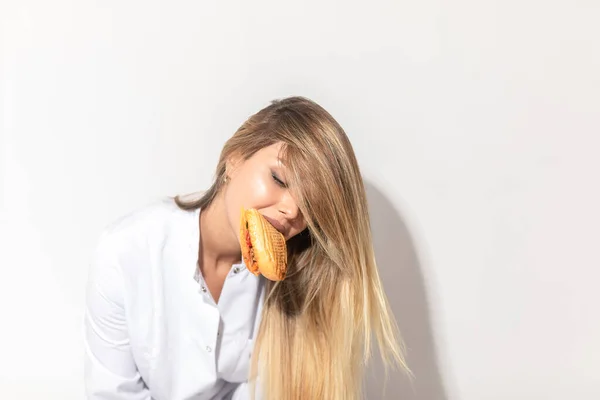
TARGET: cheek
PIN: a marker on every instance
(254, 191)
(247, 191)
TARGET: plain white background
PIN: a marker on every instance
(476, 124)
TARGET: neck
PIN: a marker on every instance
(219, 246)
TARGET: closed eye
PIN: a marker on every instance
(278, 180)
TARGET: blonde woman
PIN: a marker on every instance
(173, 313)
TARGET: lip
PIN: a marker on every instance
(276, 224)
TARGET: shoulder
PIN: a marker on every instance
(150, 223)
(153, 215)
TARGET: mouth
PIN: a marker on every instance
(277, 225)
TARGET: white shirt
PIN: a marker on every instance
(152, 329)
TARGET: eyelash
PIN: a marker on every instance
(278, 181)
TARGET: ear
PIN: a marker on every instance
(231, 165)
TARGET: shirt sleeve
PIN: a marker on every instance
(110, 371)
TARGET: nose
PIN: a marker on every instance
(288, 207)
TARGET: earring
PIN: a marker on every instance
(225, 179)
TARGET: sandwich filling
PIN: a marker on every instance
(249, 243)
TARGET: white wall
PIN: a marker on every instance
(476, 123)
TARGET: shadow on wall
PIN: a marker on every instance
(402, 278)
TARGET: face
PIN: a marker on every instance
(260, 182)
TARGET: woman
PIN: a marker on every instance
(173, 313)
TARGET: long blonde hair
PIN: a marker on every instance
(316, 326)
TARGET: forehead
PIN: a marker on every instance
(273, 153)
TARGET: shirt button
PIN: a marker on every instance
(236, 270)
(208, 349)
(203, 288)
